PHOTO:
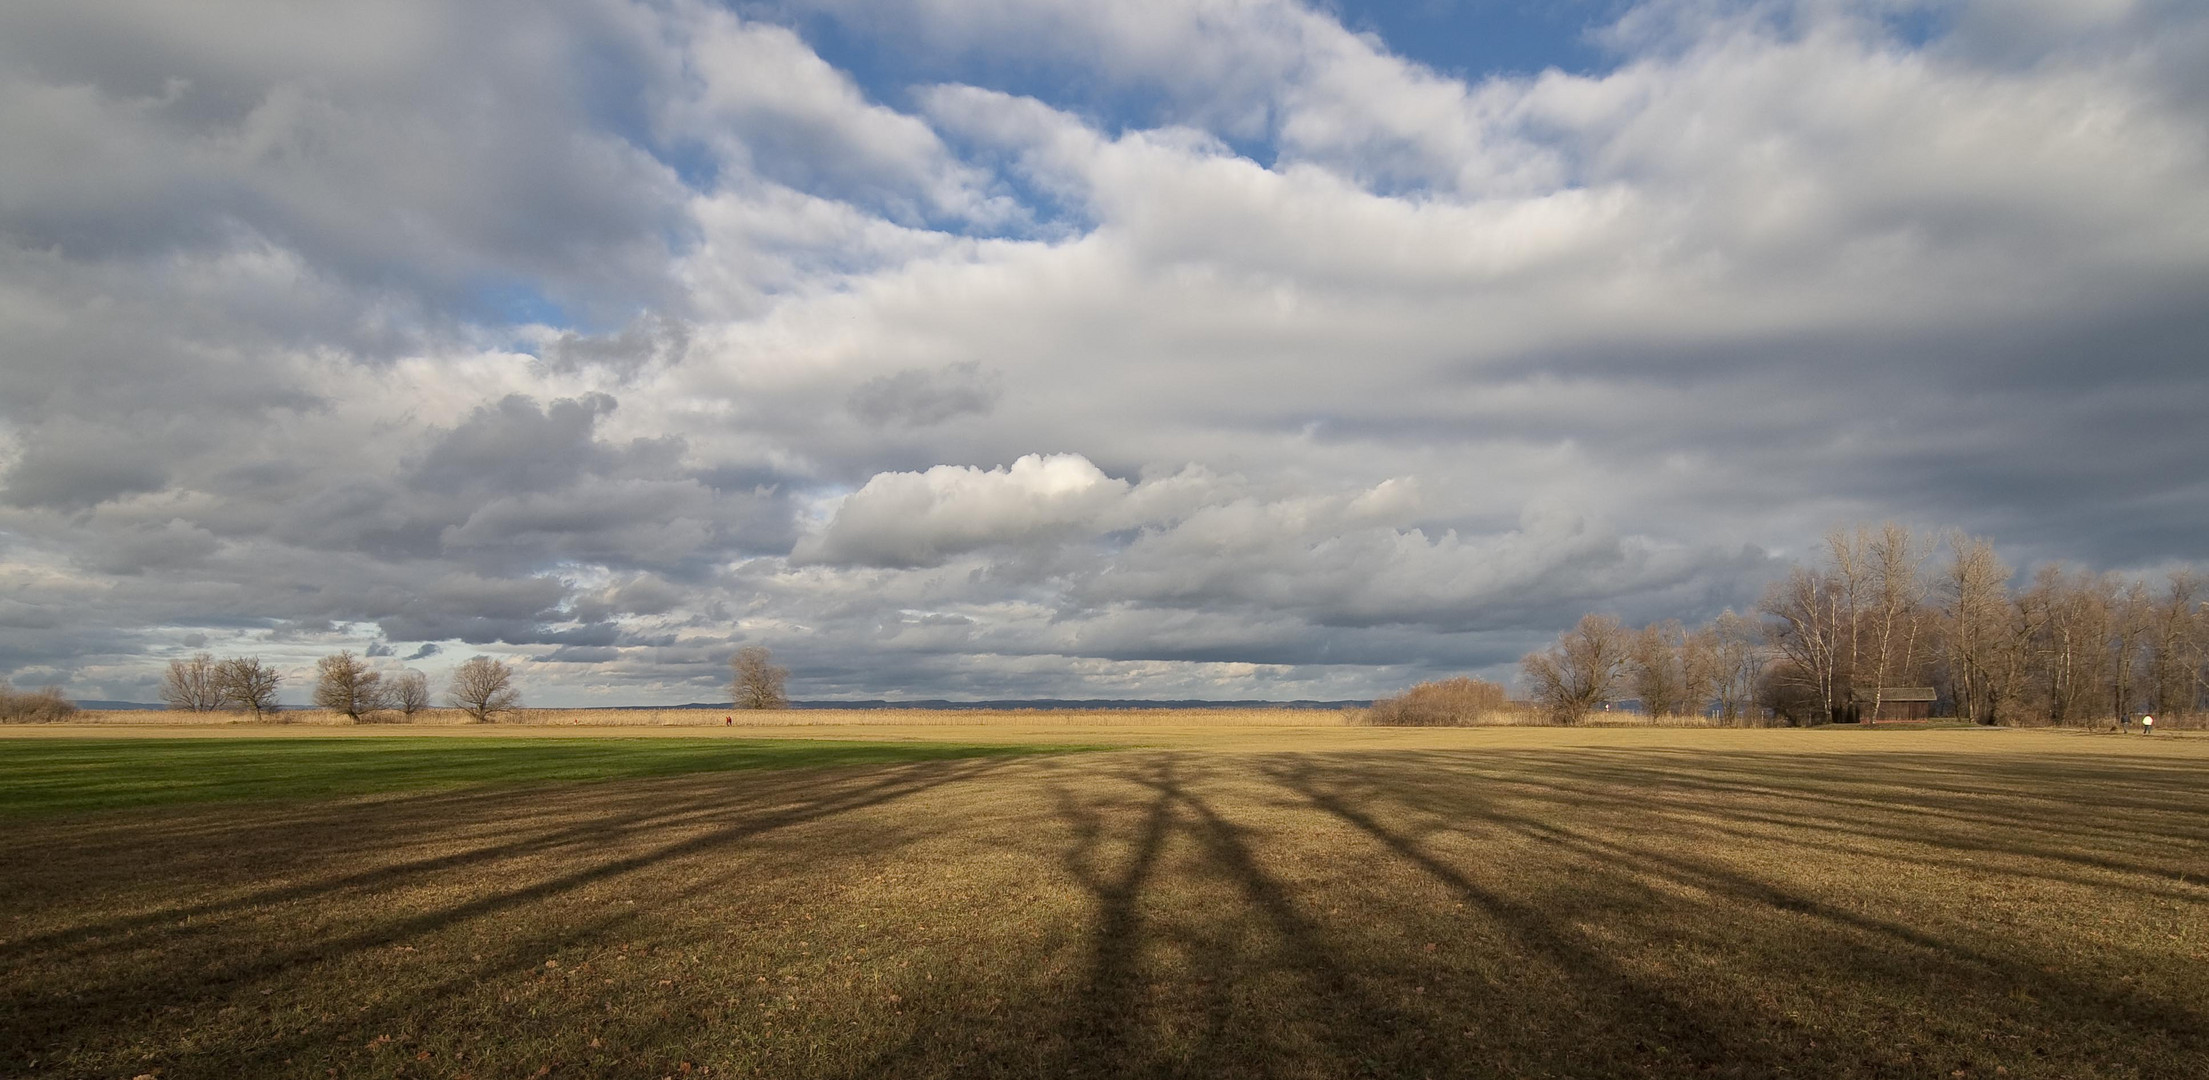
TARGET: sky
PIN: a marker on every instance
(1047, 348)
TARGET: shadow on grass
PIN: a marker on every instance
(1507, 913)
(1611, 914)
(552, 847)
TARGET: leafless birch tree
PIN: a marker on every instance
(1807, 630)
(1895, 559)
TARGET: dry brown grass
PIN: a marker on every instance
(1482, 902)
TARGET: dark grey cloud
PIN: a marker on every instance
(516, 447)
(73, 478)
(916, 397)
(174, 546)
(648, 341)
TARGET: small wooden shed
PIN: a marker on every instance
(1896, 703)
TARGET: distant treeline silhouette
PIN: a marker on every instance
(1887, 621)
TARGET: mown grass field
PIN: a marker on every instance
(1238, 901)
(60, 776)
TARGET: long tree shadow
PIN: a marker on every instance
(1331, 1018)
(1110, 988)
(1654, 1018)
(2022, 818)
(591, 850)
(1194, 959)
(348, 838)
(1576, 880)
(1516, 913)
(1565, 813)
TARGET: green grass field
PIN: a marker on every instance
(1249, 904)
(53, 776)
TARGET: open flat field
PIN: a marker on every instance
(1200, 898)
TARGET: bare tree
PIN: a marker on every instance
(2088, 632)
(244, 682)
(1895, 559)
(756, 682)
(189, 685)
(1656, 670)
(2069, 618)
(1848, 555)
(410, 693)
(2071, 647)
(2131, 621)
(1581, 672)
(1808, 613)
(1738, 660)
(345, 683)
(2200, 650)
(1976, 614)
(2174, 645)
(1702, 665)
(483, 687)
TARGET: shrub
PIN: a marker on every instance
(1443, 703)
(42, 706)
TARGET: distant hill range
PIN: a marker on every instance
(932, 703)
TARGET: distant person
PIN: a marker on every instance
(728, 721)
(2147, 725)
(2125, 722)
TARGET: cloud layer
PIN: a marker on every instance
(1168, 350)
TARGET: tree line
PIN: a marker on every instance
(345, 683)
(1887, 608)
(482, 687)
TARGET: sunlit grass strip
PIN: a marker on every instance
(62, 776)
